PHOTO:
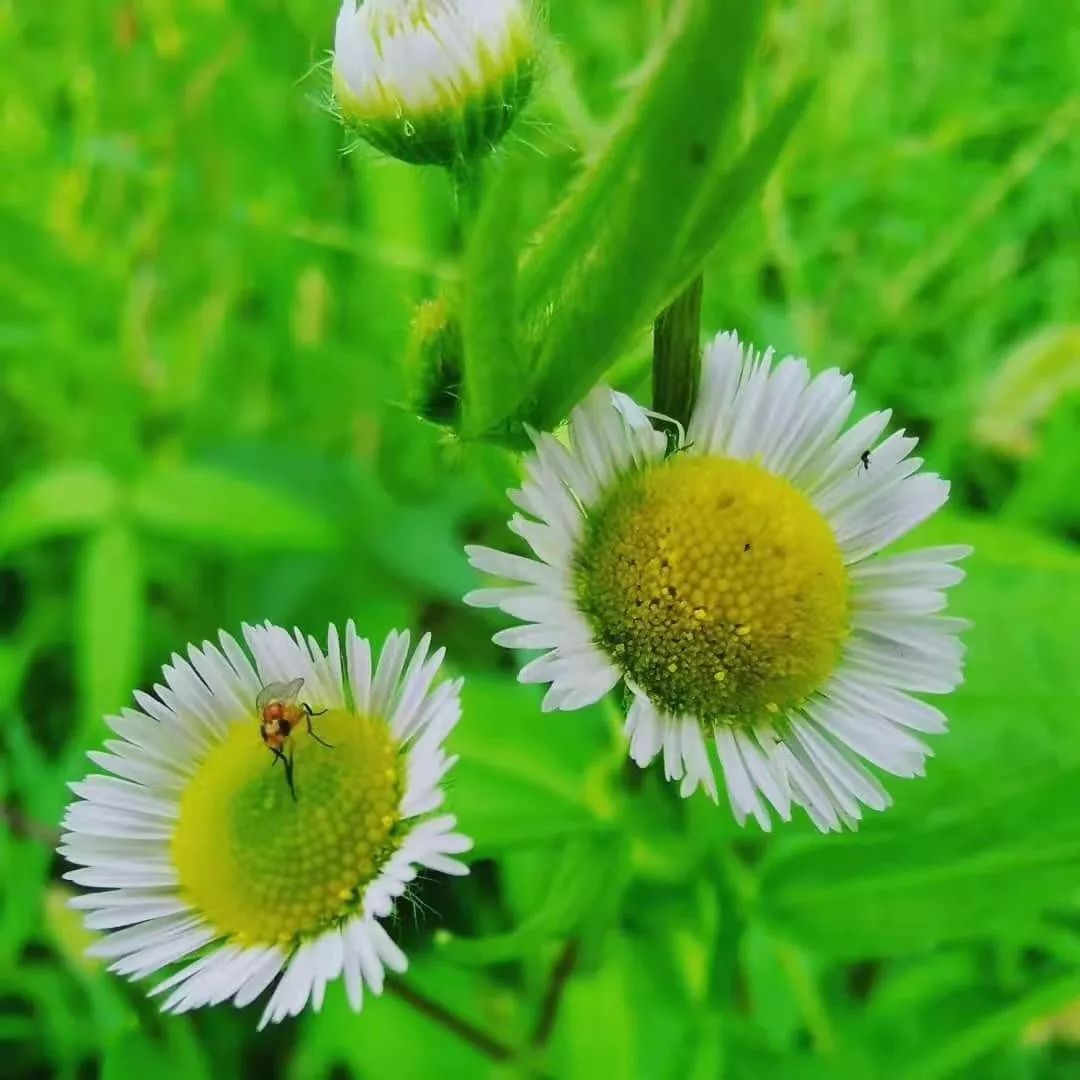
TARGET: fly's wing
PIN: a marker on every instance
(278, 691)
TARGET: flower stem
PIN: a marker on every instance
(467, 182)
(677, 354)
(479, 1040)
(27, 828)
(549, 1010)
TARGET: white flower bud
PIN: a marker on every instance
(433, 81)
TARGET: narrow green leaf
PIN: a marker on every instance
(980, 1038)
(1031, 379)
(60, 501)
(110, 619)
(212, 506)
(495, 375)
(731, 190)
(600, 271)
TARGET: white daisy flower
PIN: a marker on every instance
(433, 81)
(738, 588)
(252, 858)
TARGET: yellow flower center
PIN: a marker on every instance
(263, 869)
(716, 587)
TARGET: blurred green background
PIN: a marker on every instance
(203, 306)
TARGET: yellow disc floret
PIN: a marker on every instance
(716, 587)
(264, 869)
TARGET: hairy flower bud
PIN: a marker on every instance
(435, 82)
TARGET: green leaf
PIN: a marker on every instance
(209, 505)
(495, 372)
(24, 870)
(601, 269)
(598, 1028)
(731, 190)
(135, 1053)
(1031, 380)
(60, 501)
(524, 777)
(576, 881)
(969, 875)
(995, 1030)
(769, 987)
(110, 621)
(1015, 714)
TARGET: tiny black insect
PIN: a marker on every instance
(865, 459)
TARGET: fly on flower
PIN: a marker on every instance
(170, 839)
(280, 714)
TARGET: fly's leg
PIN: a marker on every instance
(308, 713)
(288, 763)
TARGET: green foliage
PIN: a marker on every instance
(204, 308)
(599, 271)
(208, 505)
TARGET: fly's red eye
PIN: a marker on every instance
(274, 712)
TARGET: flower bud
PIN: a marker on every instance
(433, 82)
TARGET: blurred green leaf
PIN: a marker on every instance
(1015, 714)
(629, 1017)
(768, 986)
(136, 1053)
(523, 776)
(422, 545)
(979, 1039)
(208, 505)
(24, 871)
(1030, 381)
(990, 865)
(597, 1028)
(583, 868)
(110, 621)
(601, 269)
(59, 501)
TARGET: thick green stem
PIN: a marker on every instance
(677, 354)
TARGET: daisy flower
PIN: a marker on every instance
(738, 588)
(433, 81)
(256, 860)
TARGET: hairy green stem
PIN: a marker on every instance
(677, 354)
